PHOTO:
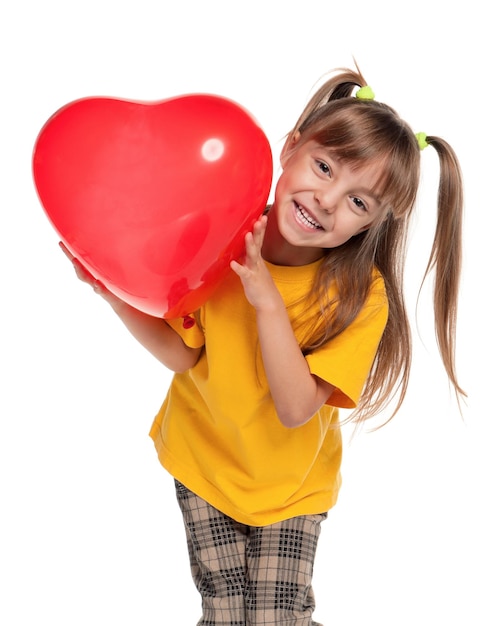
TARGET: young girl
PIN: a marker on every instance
(311, 320)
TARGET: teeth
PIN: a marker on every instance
(306, 219)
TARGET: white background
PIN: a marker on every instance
(89, 529)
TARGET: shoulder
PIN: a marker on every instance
(377, 292)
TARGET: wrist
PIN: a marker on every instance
(271, 306)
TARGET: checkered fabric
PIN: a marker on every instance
(249, 575)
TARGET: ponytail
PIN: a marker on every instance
(445, 258)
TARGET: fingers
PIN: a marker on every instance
(86, 276)
(254, 241)
(236, 267)
(259, 231)
(66, 251)
(253, 249)
(81, 272)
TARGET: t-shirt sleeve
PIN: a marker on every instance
(190, 329)
(346, 360)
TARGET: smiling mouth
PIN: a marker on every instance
(306, 219)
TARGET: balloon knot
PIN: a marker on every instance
(188, 322)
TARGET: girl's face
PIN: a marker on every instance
(320, 201)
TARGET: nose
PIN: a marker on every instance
(326, 198)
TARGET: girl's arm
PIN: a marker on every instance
(296, 392)
(151, 332)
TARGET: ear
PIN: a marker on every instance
(289, 146)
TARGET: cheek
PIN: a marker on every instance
(351, 225)
(278, 192)
(363, 228)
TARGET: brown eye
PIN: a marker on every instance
(324, 167)
(359, 204)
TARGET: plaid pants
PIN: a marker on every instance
(249, 575)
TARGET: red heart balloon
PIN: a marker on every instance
(154, 198)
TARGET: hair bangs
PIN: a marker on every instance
(361, 132)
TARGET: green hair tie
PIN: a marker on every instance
(422, 140)
(365, 93)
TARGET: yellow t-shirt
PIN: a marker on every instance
(217, 431)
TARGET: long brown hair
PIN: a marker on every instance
(360, 131)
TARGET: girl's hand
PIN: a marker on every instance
(152, 332)
(259, 287)
(297, 394)
(86, 277)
